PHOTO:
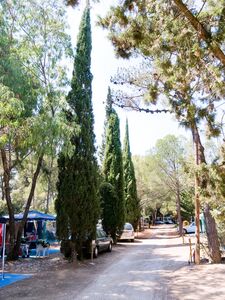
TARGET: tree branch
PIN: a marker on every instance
(140, 109)
(203, 33)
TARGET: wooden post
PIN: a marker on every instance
(190, 245)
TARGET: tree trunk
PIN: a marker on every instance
(213, 241)
(2, 188)
(31, 194)
(197, 219)
(212, 236)
(199, 158)
(179, 215)
(48, 196)
(6, 188)
(49, 179)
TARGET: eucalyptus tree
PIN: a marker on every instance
(170, 156)
(186, 64)
(33, 47)
(77, 204)
(154, 195)
(132, 205)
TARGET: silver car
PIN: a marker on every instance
(190, 228)
(127, 233)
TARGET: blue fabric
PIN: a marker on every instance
(11, 278)
(50, 251)
(34, 215)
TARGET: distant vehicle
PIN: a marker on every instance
(190, 228)
(158, 222)
(168, 221)
(127, 233)
(146, 223)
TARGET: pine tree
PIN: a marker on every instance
(113, 174)
(77, 204)
(132, 205)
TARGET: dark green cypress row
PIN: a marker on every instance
(132, 205)
(113, 174)
(77, 200)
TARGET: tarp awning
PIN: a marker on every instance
(34, 215)
(3, 220)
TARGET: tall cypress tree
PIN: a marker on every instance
(108, 110)
(132, 205)
(77, 204)
(113, 174)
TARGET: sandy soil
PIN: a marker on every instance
(55, 278)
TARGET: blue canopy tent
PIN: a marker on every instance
(34, 215)
(37, 217)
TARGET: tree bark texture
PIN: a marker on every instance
(199, 150)
(211, 233)
(213, 241)
(6, 188)
(197, 220)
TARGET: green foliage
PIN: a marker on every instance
(132, 205)
(174, 56)
(77, 204)
(108, 112)
(109, 200)
(33, 45)
(113, 169)
(187, 204)
(11, 109)
(161, 177)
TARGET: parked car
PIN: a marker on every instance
(158, 222)
(146, 223)
(168, 221)
(103, 242)
(190, 228)
(127, 233)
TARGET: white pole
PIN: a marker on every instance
(3, 249)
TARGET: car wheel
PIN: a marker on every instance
(184, 231)
(95, 254)
(110, 247)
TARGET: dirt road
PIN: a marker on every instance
(154, 267)
(143, 272)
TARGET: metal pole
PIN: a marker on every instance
(3, 249)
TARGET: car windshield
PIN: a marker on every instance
(101, 233)
(128, 227)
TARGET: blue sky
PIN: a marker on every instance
(144, 129)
